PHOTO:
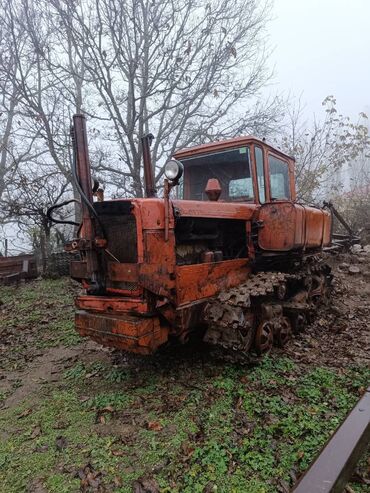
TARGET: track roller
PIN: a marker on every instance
(264, 337)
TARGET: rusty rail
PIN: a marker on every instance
(340, 241)
(332, 469)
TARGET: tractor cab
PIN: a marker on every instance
(243, 169)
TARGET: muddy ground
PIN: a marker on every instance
(78, 417)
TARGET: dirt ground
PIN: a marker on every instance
(78, 417)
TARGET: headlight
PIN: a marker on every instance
(173, 170)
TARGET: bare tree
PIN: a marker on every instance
(13, 148)
(25, 203)
(186, 70)
(46, 95)
(322, 149)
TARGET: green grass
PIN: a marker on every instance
(41, 313)
(193, 425)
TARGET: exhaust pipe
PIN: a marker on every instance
(82, 176)
(150, 189)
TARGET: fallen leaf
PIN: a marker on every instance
(92, 374)
(90, 479)
(117, 481)
(60, 425)
(41, 448)
(36, 486)
(107, 409)
(25, 413)
(210, 487)
(118, 453)
(239, 403)
(36, 432)
(143, 485)
(154, 426)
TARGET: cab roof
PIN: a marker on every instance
(227, 144)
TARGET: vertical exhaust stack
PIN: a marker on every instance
(150, 190)
(83, 171)
(82, 176)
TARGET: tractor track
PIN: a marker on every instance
(267, 308)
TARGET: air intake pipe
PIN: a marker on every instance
(90, 220)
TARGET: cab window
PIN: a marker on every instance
(241, 187)
(258, 153)
(230, 167)
(279, 178)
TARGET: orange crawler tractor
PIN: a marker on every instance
(234, 256)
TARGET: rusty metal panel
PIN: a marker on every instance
(78, 269)
(332, 469)
(278, 232)
(157, 271)
(300, 226)
(190, 316)
(287, 226)
(231, 210)
(130, 333)
(227, 144)
(314, 220)
(152, 213)
(195, 282)
(327, 228)
(111, 304)
(123, 272)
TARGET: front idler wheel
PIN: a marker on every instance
(264, 337)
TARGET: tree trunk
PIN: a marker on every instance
(5, 141)
(43, 253)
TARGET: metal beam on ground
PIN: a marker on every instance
(332, 469)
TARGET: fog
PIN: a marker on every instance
(321, 48)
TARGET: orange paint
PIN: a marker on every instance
(129, 333)
(195, 282)
(289, 226)
(111, 304)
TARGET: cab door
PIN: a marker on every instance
(280, 172)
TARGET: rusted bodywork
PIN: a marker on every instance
(289, 226)
(151, 266)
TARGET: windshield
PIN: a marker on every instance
(231, 168)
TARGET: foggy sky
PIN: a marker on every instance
(323, 48)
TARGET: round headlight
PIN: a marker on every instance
(173, 170)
